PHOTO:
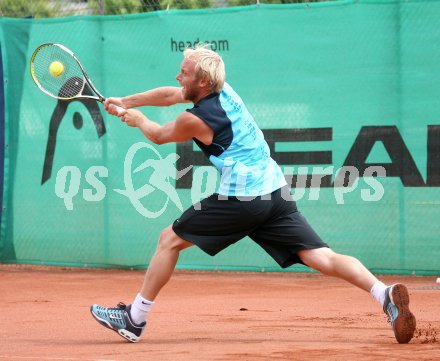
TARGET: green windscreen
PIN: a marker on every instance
(343, 91)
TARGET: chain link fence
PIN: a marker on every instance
(60, 8)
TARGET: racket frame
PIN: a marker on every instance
(98, 96)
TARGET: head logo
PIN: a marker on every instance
(55, 122)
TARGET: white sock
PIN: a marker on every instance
(140, 308)
(378, 292)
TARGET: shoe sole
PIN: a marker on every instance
(405, 323)
(129, 336)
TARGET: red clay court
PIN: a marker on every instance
(209, 316)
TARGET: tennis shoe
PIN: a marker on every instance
(396, 307)
(119, 320)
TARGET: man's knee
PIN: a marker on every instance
(170, 240)
(320, 259)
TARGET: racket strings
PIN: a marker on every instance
(66, 85)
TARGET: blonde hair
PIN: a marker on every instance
(209, 65)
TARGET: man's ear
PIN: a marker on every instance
(204, 83)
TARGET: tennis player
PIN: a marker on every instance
(252, 200)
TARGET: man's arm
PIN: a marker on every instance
(163, 96)
(185, 127)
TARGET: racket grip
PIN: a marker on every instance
(119, 110)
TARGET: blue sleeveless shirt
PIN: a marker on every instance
(238, 149)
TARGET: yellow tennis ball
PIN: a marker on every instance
(56, 69)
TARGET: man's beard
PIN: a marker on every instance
(190, 93)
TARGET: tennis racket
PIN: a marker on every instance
(58, 72)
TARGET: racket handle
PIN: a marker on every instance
(119, 110)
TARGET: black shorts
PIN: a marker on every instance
(272, 221)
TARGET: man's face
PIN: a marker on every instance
(188, 79)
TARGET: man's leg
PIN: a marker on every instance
(159, 272)
(345, 267)
(394, 299)
(129, 321)
(162, 263)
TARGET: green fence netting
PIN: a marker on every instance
(352, 84)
